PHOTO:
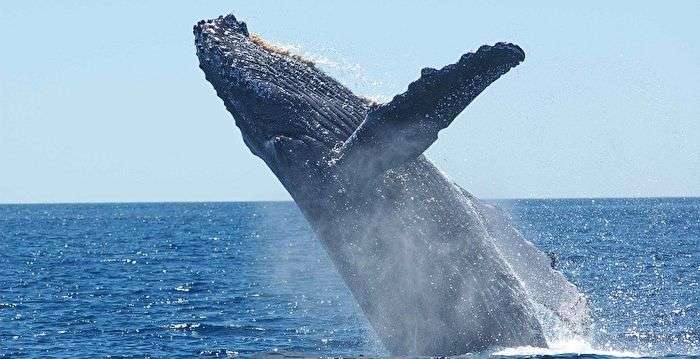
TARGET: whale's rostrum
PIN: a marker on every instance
(436, 271)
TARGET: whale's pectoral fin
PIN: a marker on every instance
(399, 131)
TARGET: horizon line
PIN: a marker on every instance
(291, 200)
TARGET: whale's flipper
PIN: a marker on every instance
(402, 129)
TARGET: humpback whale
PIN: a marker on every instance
(435, 270)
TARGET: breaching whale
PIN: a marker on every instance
(436, 271)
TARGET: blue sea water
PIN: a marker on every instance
(239, 279)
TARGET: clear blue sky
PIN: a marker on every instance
(103, 101)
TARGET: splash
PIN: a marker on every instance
(351, 73)
(575, 346)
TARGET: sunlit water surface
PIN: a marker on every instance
(240, 279)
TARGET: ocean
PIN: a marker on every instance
(182, 280)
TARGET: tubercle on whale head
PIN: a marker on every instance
(230, 20)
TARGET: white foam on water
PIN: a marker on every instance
(571, 346)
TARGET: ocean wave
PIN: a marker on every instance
(204, 328)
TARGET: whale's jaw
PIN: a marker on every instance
(416, 251)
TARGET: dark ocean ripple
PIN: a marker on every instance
(241, 279)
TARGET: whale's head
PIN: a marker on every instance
(290, 113)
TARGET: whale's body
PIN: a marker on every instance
(436, 271)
